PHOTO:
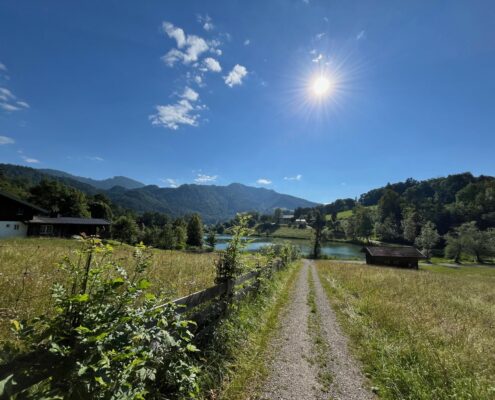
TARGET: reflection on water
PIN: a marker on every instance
(331, 249)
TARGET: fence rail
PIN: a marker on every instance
(196, 299)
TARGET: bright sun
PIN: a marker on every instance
(321, 86)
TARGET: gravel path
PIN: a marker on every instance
(292, 375)
(349, 382)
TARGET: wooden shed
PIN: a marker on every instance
(404, 256)
(66, 226)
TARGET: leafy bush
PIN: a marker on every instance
(105, 337)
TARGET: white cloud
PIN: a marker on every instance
(173, 183)
(297, 177)
(9, 102)
(206, 21)
(202, 178)
(361, 35)
(193, 46)
(247, 42)
(318, 58)
(319, 36)
(305, 1)
(190, 94)
(3, 67)
(212, 64)
(236, 76)
(264, 181)
(171, 116)
(6, 140)
(183, 112)
(29, 159)
(175, 33)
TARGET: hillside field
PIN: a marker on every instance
(424, 334)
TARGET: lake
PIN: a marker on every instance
(331, 249)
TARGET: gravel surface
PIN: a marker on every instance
(291, 375)
(349, 382)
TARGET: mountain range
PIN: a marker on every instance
(214, 203)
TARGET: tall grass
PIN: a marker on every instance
(28, 268)
(420, 334)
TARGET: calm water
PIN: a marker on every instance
(333, 249)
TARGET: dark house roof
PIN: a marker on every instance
(397, 252)
(68, 221)
(25, 203)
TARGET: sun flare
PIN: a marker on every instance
(321, 86)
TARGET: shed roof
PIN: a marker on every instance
(389, 251)
(68, 221)
(25, 203)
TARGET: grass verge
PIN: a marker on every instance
(321, 349)
(420, 334)
(237, 357)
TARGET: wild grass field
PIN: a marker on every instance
(28, 269)
(426, 334)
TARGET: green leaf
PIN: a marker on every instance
(100, 380)
(80, 298)
(143, 284)
(6, 386)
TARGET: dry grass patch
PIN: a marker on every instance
(420, 334)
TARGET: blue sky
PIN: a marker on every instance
(214, 92)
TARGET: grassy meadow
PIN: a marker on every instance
(426, 334)
(293, 233)
(28, 270)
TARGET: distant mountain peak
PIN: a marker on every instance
(105, 184)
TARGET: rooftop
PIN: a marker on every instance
(389, 251)
(68, 221)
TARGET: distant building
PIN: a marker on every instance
(14, 214)
(301, 223)
(18, 218)
(286, 219)
(406, 257)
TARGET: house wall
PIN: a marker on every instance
(11, 210)
(8, 229)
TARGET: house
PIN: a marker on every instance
(14, 214)
(286, 219)
(404, 256)
(301, 223)
(18, 218)
(66, 226)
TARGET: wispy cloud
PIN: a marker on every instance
(305, 1)
(236, 76)
(318, 58)
(95, 158)
(9, 102)
(297, 177)
(361, 35)
(247, 42)
(320, 35)
(206, 21)
(30, 160)
(202, 178)
(264, 181)
(3, 67)
(173, 183)
(6, 140)
(212, 64)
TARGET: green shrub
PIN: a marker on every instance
(105, 337)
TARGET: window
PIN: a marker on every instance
(7, 226)
(46, 229)
(16, 227)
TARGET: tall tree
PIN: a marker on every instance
(363, 221)
(318, 226)
(195, 231)
(428, 238)
(125, 229)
